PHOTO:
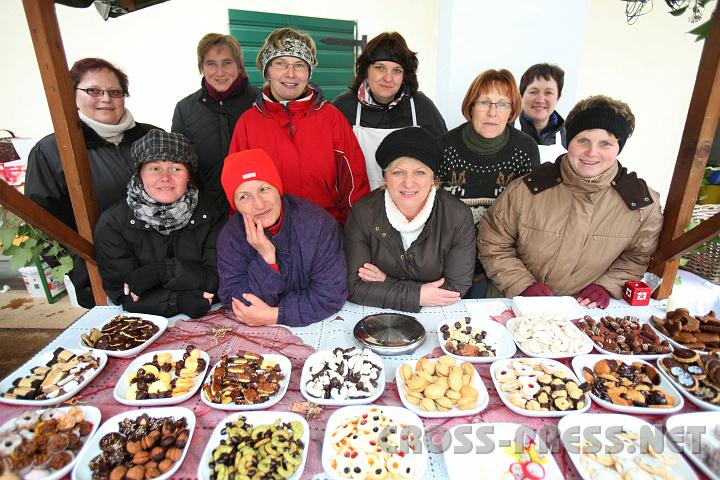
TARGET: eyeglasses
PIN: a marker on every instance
(486, 104)
(283, 65)
(99, 92)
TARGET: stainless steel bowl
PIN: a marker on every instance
(389, 333)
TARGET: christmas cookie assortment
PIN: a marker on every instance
(164, 377)
(244, 379)
(460, 338)
(697, 332)
(343, 374)
(635, 384)
(698, 375)
(543, 335)
(626, 335)
(121, 333)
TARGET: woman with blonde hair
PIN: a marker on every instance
(310, 141)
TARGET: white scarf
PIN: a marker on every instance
(111, 133)
(409, 229)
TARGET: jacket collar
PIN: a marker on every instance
(205, 212)
(633, 190)
(238, 90)
(267, 106)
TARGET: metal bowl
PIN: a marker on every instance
(389, 333)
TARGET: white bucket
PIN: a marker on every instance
(31, 277)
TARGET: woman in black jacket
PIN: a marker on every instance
(156, 249)
(208, 116)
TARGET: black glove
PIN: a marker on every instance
(146, 277)
(192, 303)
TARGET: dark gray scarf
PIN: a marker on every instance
(164, 218)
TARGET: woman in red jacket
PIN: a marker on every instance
(310, 140)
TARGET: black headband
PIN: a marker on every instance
(599, 117)
(380, 55)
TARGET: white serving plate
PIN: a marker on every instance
(590, 360)
(82, 468)
(504, 396)
(397, 414)
(91, 414)
(651, 356)
(285, 367)
(699, 403)
(587, 349)
(675, 427)
(463, 458)
(161, 322)
(559, 307)
(122, 386)
(497, 337)
(602, 424)
(477, 382)
(305, 377)
(484, 309)
(40, 360)
(255, 419)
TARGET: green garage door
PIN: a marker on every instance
(336, 63)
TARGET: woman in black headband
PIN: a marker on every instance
(582, 226)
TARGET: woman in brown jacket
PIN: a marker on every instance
(409, 244)
(582, 226)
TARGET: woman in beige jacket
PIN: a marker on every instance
(582, 226)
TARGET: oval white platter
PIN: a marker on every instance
(82, 467)
(642, 356)
(677, 426)
(161, 323)
(589, 361)
(586, 349)
(477, 382)
(91, 414)
(603, 428)
(40, 360)
(122, 386)
(305, 378)
(285, 368)
(497, 337)
(398, 414)
(695, 400)
(255, 419)
(502, 364)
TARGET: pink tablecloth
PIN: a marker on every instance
(280, 340)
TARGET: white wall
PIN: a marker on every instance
(156, 48)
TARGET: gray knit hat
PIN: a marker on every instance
(164, 146)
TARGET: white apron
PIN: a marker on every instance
(370, 139)
(548, 153)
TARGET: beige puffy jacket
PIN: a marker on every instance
(554, 227)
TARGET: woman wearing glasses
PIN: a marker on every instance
(384, 97)
(108, 129)
(208, 116)
(481, 157)
(311, 142)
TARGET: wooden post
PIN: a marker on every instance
(50, 54)
(697, 138)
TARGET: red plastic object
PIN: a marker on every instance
(636, 294)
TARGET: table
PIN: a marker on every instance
(297, 344)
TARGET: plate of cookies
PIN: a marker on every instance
(247, 381)
(164, 377)
(365, 441)
(285, 450)
(683, 330)
(125, 335)
(547, 336)
(476, 341)
(147, 443)
(696, 376)
(441, 388)
(627, 384)
(539, 387)
(624, 336)
(343, 376)
(698, 435)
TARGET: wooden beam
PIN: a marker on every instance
(697, 138)
(50, 53)
(38, 217)
(689, 240)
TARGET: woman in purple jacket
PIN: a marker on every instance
(280, 257)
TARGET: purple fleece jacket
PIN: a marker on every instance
(312, 282)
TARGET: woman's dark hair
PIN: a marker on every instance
(81, 67)
(545, 71)
(392, 45)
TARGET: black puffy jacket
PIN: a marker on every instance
(209, 126)
(123, 243)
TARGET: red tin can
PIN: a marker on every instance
(636, 294)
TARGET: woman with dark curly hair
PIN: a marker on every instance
(384, 97)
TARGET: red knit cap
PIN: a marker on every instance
(247, 165)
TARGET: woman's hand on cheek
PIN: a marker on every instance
(258, 313)
(257, 239)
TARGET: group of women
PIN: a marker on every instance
(245, 201)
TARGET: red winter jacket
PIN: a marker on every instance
(313, 147)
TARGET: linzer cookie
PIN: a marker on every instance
(625, 335)
(466, 341)
(121, 333)
(694, 332)
(628, 385)
(164, 378)
(244, 379)
(343, 374)
(698, 376)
